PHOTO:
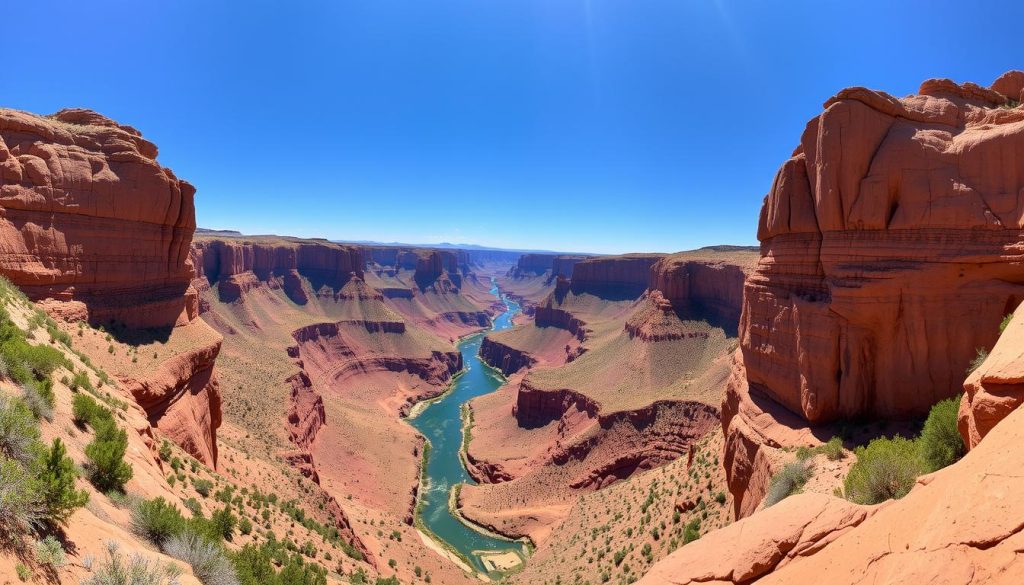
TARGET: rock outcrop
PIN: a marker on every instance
(554, 265)
(707, 287)
(889, 254)
(625, 276)
(90, 216)
(300, 267)
(182, 399)
(996, 388)
(502, 357)
(889, 251)
(95, 229)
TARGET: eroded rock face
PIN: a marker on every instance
(997, 387)
(183, 400)
(712, 288)
(623, 276)
(538, 264)
(889, 251)
(237, 265)
(90, 216)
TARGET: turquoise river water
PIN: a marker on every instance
(441, 423)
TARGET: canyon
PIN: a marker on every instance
(453, 415)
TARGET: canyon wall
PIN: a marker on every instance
(90, 216)
(95, 229)
(236, 265)
(889, 254)
(537, 264)
(619, 276)
(712, 286)
(889, 251)
(996, 387)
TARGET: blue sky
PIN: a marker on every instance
(601, 125)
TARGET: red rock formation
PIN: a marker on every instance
(623, 276)
(537, 264)
(754, 547)
(889, 251)
(502, 357)
(536, 408)
(711, 287)
(235, 266)
(90, 216)
(996, 388)
(181, 398)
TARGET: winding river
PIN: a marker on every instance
(441, 423)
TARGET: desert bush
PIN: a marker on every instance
(692, 531)
(157, 521)
(134, 570)
(19, 433)
(40, 404)
(885, 469)
(203, 486)
(19, 506)
(224, 522)
(80, 381)
(50, 552)
(1005, 322)
(208, 561)
(787, 481)
(978, 360)
(940, 443)
(56, 484)
(833, 449)
(108, 469)
(84, 409)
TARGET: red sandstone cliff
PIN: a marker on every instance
(626, 275)
(98, 230)
(90, 216)
(889, 253)
(236, 265)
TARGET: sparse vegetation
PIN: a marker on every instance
(56, 484)
(1005, 322)
(50, 553)
(134, 570)
(940, 442)
(979, 359)
(787, 481)
(885, 469)
(108, 470)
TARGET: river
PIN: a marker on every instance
(441, 423)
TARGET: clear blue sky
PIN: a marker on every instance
(605, 126)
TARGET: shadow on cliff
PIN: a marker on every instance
(135, 336)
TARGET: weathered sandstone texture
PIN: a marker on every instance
(890, 250)
(90, 216)
(96, 229)
(623, 276)
(538, 264)
(237, 265)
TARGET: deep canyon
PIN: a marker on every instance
(452, 415)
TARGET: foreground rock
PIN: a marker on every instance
(889, 253)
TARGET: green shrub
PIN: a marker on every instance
(19, 506)
(224, 522)
(165, 451)
(978, 360)
(81, 382)
(833, 449)
(940, 443)
(56, 484)
(108, 470)
(83, 409)
(157, 521)
(692, 531)
(787, 481)
(24, 573)
(885, 469)
(245, 526)
(1005, 322)
(50, 553)
(203, 486)
(19, 433)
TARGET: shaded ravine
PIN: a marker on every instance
(441, 423)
